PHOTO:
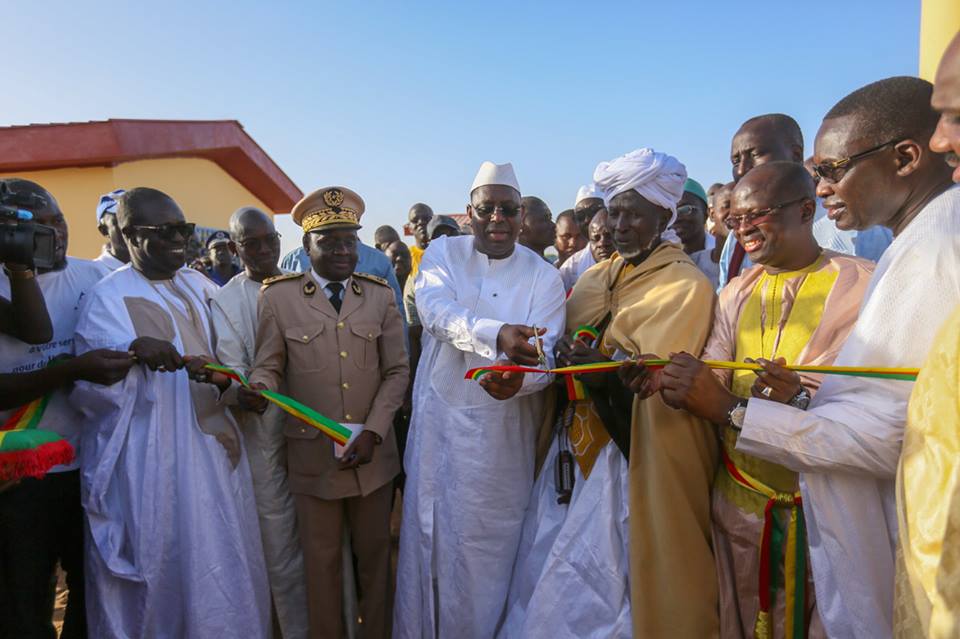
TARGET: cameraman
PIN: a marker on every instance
(41, 520)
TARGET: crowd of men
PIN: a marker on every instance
(680, 500)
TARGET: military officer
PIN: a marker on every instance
(335, 338)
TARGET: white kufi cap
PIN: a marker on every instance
(588, 191)
(495, 174)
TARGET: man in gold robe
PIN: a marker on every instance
(648, 297)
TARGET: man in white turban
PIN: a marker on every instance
(470, 452)
(630, 555)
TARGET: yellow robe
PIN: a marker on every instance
(663, 305)
(927, 596)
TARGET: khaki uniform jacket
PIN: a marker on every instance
(351, 367)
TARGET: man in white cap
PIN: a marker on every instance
(470, 453)
(631, 554)
(115, 253)
(589, 201)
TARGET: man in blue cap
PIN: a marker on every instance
(218, 249)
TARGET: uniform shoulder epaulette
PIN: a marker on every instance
(280, 278)
(372, 278)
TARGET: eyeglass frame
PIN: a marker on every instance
(752, 218)
(845, 162)
(247, 246)
(163, 230)
(486, 216)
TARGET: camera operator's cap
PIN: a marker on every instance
(441, 221)
(218, 237)
(328, 209)
(108, 203)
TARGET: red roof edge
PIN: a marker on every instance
(37, 147)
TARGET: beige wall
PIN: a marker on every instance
(939, 22)
(206, 193)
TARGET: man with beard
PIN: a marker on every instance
(928, 507)
(814, 295)
(630, 555)
(256, 242)
(569, 237)
(173, 545)
(114, 253)
(41, 520)
(470, 455)
(874, 167)
(335, 339)
(599, 248)
(537, 231)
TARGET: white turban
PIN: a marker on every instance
(657, 177)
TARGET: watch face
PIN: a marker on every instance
(737, 416)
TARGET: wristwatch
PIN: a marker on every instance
(801, 400)
(737, 414)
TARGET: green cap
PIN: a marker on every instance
(692, 186)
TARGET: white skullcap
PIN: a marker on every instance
(495, 174)
(657, 177)
(588, 191)
(108, 203)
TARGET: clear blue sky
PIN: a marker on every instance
(402, 101)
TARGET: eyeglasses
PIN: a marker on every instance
(168, 232)
(256, 243)
(688, 210)
(834, 171)
(486, 212)
(733, 222)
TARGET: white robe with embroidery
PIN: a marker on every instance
(469, 458)
(173, 548)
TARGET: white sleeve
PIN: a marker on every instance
(549, 311)
(442, 315)
(853, 432)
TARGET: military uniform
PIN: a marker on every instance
(351, 366)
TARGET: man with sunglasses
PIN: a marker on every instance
(798, 305)
(41, 520)
(255, 241)
(874, 167)
(470, 453)
(174, 546)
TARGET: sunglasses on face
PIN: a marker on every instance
(733, 222)
(834, 171)
(486, 212)
(687, 210)
(169, 232)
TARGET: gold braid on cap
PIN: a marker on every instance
(333, 214)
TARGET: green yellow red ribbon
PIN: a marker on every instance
(27, 451)
(771, 549)
(904, 374)
(332, 429)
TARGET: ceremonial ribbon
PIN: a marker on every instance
(332, 429)
(795, 558)
(25, 450)
(904, 374)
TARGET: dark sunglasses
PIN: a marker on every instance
(168, 232)
(834, 171)
(486, 212)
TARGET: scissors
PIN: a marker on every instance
(539, 344)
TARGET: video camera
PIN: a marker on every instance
(23, 241)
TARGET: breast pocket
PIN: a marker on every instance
(306, 347)
(367, 338)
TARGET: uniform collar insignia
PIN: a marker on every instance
(309, 287)
(355, 287)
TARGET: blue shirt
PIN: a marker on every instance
(370, 261)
